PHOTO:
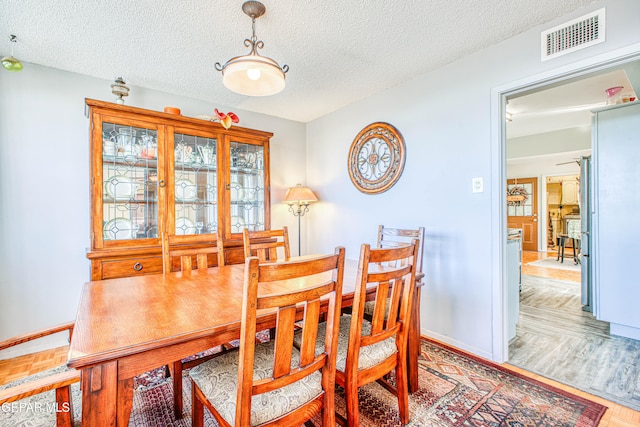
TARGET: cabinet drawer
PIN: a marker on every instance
(138, 266)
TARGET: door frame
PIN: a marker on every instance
(499, 94)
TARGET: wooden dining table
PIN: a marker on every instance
(127, 326)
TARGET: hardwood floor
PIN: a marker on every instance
(616, 416)
(551, 273)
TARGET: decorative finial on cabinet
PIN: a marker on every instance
(120, 89)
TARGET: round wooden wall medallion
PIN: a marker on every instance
(376, 158)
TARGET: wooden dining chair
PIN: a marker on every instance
(274, 383)
(266, 244)
(389, 237)
(394, 237)
(59, 378)
(369, 350)
(179, 254)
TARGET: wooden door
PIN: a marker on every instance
(522, 210)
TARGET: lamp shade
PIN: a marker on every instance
(299, 194)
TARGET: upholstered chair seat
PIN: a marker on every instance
(218, 380)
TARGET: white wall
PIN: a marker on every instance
(572, 139)
(451, 129)
(44, 186)
(540, 166)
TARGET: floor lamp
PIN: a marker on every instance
(298, 199)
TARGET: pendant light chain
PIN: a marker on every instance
(253, 42)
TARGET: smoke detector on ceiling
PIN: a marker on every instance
(588, 30)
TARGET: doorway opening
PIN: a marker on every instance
(549, 346)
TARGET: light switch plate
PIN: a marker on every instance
(477, 185)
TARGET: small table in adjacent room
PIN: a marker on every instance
(573, 233)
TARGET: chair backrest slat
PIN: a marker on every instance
(286, 325)
(312, 317)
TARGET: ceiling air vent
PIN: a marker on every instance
(573, 35)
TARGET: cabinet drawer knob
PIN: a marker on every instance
(161, 183)
(137, 266)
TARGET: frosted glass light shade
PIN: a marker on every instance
(253, 75)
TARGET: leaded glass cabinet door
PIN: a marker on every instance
(129, 183)
(195, 184)
(247, 186)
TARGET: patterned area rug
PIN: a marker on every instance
(455, 390)
(458, 389)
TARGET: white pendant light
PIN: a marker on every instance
(253, 74)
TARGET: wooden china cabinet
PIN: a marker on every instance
(153, 172)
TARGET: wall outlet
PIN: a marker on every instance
(477, 185)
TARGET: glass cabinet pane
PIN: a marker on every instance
(247, 187)
(196, 184)
(130, 182)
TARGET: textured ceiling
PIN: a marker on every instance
(338, 51)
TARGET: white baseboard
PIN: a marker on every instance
(457, 344)
(624, 331)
